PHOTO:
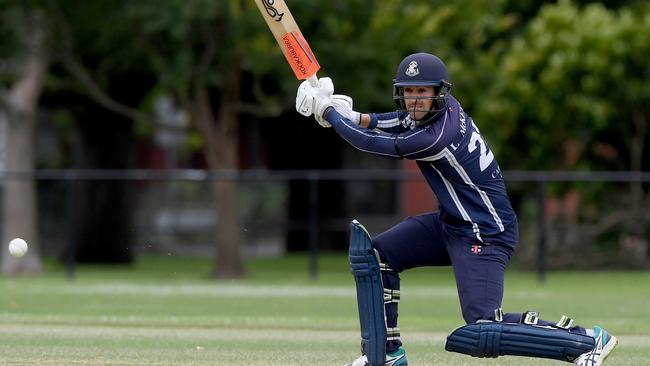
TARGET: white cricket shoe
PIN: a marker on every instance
(605, 343)
(361, 361)
(398, 358)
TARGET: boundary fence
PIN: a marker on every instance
(540, 178)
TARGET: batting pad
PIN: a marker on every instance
(493, 339)
(364, 264)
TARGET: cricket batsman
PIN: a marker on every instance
(475, 230)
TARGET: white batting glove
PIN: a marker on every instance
(343, 105)
(315, 100)
(326, 86)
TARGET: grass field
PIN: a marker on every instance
(165, 311)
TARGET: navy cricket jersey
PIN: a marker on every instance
(453, 157)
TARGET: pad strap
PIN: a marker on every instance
(391, 296)
(392, 334)
(493, 339)
(532, 318)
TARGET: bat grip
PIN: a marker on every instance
(313, 80)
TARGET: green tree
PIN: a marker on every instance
(572, 93)
(575, 74)
(370, 40)
(190, 49)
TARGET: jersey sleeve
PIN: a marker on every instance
(415, 143)
(388, 122)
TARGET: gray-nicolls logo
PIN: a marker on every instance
(412, 69)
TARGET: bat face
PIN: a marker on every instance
(299, 55)
(286, 32)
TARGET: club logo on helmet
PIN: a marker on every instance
(412, 69)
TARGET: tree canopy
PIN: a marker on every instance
(576, 76)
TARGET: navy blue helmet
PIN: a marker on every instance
(422, 69)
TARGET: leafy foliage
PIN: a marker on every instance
(578, 75)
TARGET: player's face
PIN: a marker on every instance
(418, 100)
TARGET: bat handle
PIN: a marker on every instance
(313, 80)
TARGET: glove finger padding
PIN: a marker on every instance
(343, 100)
(325, 86)
(343, 105)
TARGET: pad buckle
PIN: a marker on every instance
(565, 322)
(498, 315)
(531, 317)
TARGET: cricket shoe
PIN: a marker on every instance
(397, 358)
(605, 343)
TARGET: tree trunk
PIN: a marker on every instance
(103, 221)
(19, 196)
(221, 150)
(229, 260)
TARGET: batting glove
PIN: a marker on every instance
(343, 105)
(315, 100)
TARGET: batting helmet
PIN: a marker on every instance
(422, 69)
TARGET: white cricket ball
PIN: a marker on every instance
(18, 247)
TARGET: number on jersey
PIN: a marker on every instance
(475, 141)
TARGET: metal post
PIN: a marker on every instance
(541, 229)
(70, 255)
(313, 227)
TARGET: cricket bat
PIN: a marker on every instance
(290, 39)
